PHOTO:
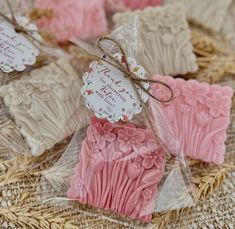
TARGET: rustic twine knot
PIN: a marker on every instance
(125, 68)
(136, 83)
(18, 28)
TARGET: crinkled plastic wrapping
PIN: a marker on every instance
(118, 171)
(29, 106)
(36, 103)
(19, 7)
(10, 137)
(41, 103)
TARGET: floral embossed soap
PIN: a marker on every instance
(80, 18)
(199, 116)
(208, 13)
(43, 103)
(119, 169)
(164, 38)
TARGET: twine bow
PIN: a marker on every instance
(18, 28)
(27, 33)
(135, 81)
(124, 67)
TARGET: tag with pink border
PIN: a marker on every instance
(109, 94)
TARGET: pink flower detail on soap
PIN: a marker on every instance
(185, 109)
(137, 161)
(195, 92)
(150, 147)
(218, 105)
(130, 139)
(126, 180)
(151, 155)
(100, 134)
(202, 108)
(100, 156)
(203, 131)
(202, 119)
(77, 188)
(152, 159)
(147, 194)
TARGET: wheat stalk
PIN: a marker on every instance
(213, 61)
(47, 36)
(5, 165)
(38, 13)
(192, 162)
(37, 217)
(160, 220)
(213, 68)
(207, 182)
(28, 166)
(204, 45)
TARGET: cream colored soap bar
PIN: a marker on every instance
(208, 13)
(164, 39)
(43, 104)
(10, 137)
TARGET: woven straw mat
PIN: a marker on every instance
(21, 207)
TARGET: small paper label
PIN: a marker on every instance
(109, 94)
(17, 51)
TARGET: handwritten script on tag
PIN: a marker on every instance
(109, 94)
(16, 51)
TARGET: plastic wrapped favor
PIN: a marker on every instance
(42, 103)
(124, 162)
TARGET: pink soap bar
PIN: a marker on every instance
(74, 18)
(119, 169)
(199, 116)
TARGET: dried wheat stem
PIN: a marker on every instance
(207, 182)
(38, 13)
(160, 220)
(37, 217)
(205, 45)
(229, 167)
(192, 162)
(5, 165)
(46, 35)
(201, 52)
(24, 165)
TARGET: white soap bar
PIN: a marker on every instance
(208, 13)
(43, 104)
(164, 39)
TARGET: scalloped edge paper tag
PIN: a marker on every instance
(109, 94)
(16, 51)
